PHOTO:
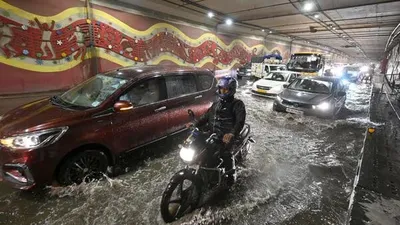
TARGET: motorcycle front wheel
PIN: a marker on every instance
(181, 196)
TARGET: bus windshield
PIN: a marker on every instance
(304, 62)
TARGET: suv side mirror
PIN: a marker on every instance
(285, 86)
(121, 106)
(341, 93)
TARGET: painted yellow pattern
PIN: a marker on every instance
(16, 62)
(97, 13)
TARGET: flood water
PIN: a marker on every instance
(300, 171)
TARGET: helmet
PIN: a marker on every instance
(229, 84)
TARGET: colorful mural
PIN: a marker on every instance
(59, 50)
(60, 42)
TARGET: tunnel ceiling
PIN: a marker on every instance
(359, 28)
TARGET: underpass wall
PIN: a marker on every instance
(48, 45)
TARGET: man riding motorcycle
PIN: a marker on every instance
(226, 118)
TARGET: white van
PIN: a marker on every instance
(260, 70)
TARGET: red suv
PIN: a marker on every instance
(80, 133)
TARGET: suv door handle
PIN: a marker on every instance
(198, 96)
(160, 109)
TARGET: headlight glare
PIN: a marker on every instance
(187, 154)
(323, 106)
(34, 140)
(364, 68)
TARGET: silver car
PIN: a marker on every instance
(319, 96)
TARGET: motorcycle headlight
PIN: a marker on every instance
(323, 106)
(187, 154)
(34, 140)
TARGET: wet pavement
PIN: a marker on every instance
(377, 193)
(300, 171)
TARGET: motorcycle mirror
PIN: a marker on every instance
(191, 114)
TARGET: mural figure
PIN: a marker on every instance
(80, 42)
(46, 37)
(254, 51)
(6, 36)
(127, 46)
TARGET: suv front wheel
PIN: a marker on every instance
(85, 166)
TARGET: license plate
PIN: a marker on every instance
(261, 91)
(294, 111)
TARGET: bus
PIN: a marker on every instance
(307, 63)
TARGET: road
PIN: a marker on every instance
(300, 171)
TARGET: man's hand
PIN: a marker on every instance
(227, 138)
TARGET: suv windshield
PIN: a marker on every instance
(309, 85)
(277, 76)
(93, 92)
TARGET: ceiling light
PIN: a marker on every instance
(229, 22)
(262, 30)
(210, 14)
(308, 6)
(270, 31)
(334, 28)
(316, 16)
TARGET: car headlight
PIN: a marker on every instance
(187, 154)
(34, 140)
(278, 98)
(277, 88)
(323, 106)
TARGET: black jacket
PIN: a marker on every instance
(226, 116)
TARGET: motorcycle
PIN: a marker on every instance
(204, 174)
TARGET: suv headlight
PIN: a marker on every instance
(34, 140)
(279, 98)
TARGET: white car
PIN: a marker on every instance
(272, 84)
